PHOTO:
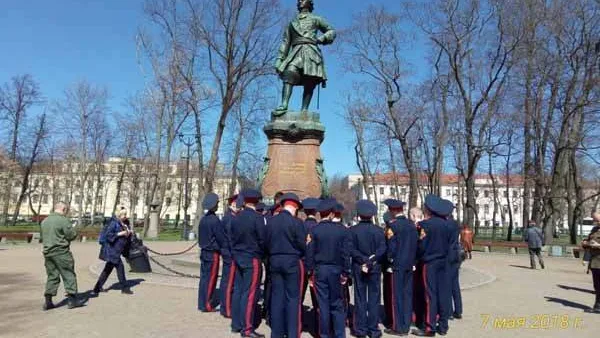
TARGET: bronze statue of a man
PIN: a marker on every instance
(300, 61)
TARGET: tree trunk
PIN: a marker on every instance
(236, 158)
(120, 186)
(39, 135)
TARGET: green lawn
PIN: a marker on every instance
(33, 227)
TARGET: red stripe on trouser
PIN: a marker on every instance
(301, 284)
(394, 302)
(427, 300)
(251, 295)
(229, 289)
(214, 270)
(318, 310)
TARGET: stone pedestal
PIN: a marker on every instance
(293, 162)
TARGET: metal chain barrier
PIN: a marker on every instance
(171, 254)
(180, 274)
(177, 273)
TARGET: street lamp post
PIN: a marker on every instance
(188, 141)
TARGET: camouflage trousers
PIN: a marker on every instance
(57, 267)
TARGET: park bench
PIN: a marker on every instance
(513, 246)
(83, 236)
(16, 236)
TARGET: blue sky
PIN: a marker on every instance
(60, 42)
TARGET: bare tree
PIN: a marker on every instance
(27, 167)
(479, 64)
(576, 33)
(238, 40)
(372, 47)
(82, 105)
(248, 116)
(16, 98)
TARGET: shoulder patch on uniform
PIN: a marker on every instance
(389, 233)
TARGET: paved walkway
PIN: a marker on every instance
(520, 302)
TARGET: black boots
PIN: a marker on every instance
(126, 291)
(596, 308)
(74, 302)
(48, 305)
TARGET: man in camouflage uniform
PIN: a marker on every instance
(57, 234)
(300, 61)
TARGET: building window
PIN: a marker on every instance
(99, 200)
(169, 186)
(370, 190)
(392, 191)
(403, 191)
(448, 192)
(16, 184)
(487, 223)
(167, 217)
(77, 199)
(486, 209)
(46, 183)
(381, 190)
(168, 200)
(486, 193)
(506, 193)
(35, 198)
(505, 209)
(516, 224)
(45, 199)
(516, 209)
(100, 185)
(476, 193)
(78, 184)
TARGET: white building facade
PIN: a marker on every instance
(509, 196)
(95, 190)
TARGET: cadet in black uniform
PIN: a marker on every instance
(433, 249)
(267, 281)
(247, 242)
(328, 259)
(285, 243)
(402, 251)
(338, 219)
(454, 296)
(209, 230)
(387, 277)
(309, 206)
(228, 270)
(367, 250)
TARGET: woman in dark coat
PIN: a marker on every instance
(116, 240)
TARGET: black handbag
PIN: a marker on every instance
(127, 248)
